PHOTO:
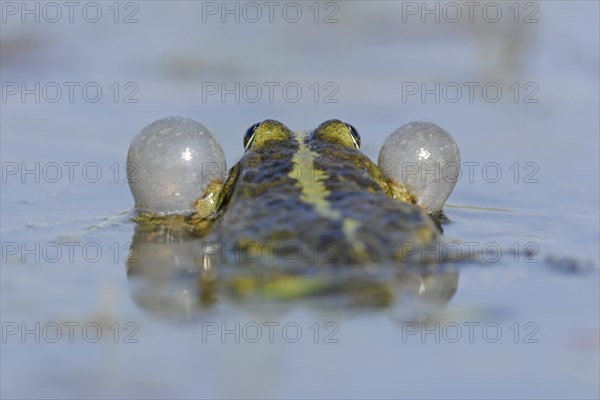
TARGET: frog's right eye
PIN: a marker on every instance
(355, 135)
(249, 135)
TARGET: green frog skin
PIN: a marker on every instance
(316, 196)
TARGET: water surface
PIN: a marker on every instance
(521, 326)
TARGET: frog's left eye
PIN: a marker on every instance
(249, 135)
(355, 135)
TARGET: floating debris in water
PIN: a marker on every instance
(569, 265)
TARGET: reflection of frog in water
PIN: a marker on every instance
(294, 204)
(170, 277)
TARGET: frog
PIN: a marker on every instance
(299, 200)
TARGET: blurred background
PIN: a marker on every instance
(516, 84)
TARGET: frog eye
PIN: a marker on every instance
(355, 135)
(249, 135)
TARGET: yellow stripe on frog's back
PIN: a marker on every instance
(310, 180)
(313, 191)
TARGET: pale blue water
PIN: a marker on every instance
(547, 312)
